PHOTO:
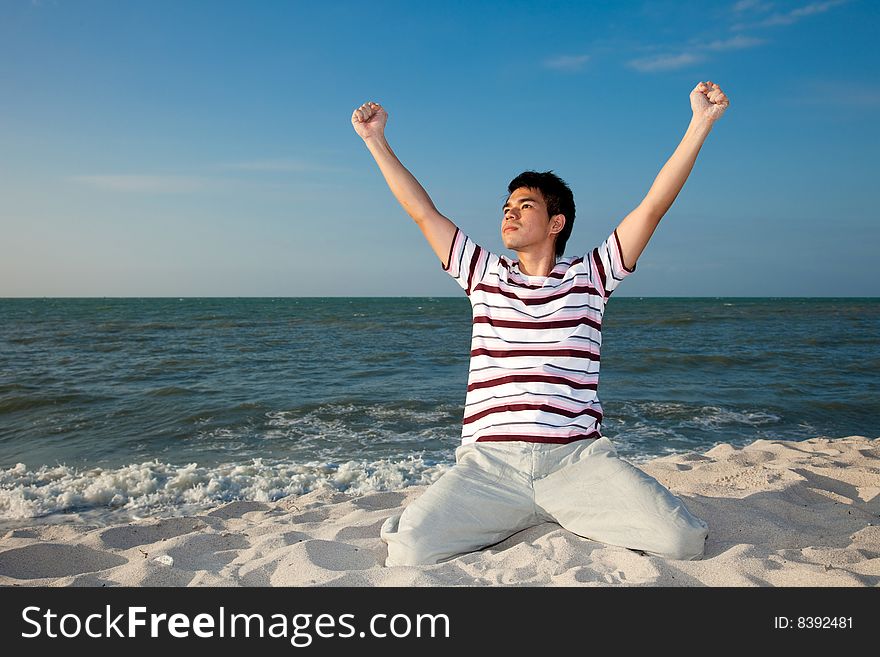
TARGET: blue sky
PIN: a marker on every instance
(205, 148)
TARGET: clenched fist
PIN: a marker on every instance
(369, 120)
(708, 101)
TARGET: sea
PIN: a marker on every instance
(115, 409)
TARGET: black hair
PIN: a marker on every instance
(557, 195)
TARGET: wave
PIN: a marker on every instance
(699, 415)
(169, 391)
(665, 359)
(16, 403)
(153, 486)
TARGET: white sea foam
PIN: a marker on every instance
(383, 411)
(713, 416)
(332, 425)
(680, 415)
(153, 485)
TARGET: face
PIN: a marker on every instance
(526, 222)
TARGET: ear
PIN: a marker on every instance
(557, 223)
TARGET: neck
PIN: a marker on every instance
(536, 264)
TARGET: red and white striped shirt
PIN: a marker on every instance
(534, 371)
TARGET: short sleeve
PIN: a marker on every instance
(607, 262)
(467, 262)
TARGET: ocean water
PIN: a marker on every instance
(125, 408)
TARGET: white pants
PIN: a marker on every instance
(496, 489)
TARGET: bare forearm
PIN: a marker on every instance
(406, 189)
(672, 176)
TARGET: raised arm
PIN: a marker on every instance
(708, 103)
(369, 122)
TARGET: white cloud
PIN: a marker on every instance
(792, 16)
(735, 43)
(144, 182)
(185, 183)
(840, 93)
(752, 5)
(665, 62)
(567, 62)
(691, 54)
(283, 165)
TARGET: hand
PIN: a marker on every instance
(708, 101)
(369, 120)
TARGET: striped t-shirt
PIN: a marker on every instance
(534, 371)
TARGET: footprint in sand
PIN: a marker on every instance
(55, 560)
(360, 531)
(238, 509)
(318, 515)
(123, 538)
(207, 551)
(332, 555)
(378, 501)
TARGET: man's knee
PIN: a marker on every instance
(409, 547)
(686, 543)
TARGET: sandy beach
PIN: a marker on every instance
(780, 513)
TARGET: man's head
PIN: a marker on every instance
(540, 207)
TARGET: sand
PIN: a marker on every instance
(780, 513)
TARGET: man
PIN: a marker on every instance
(532, 448)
